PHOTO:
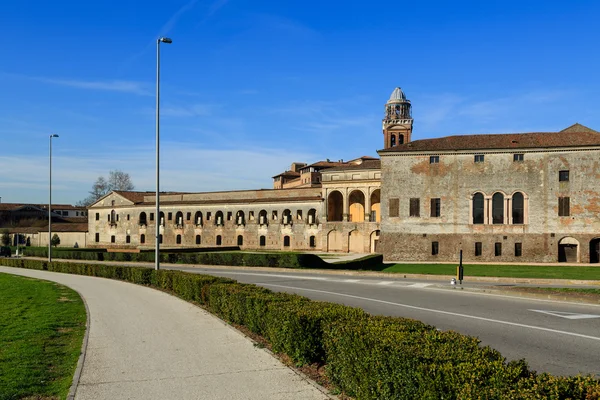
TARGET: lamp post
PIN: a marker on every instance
(54, 135)
(157, 218)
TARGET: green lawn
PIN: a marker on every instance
(41, 331)
(595, 292)
(510, 271)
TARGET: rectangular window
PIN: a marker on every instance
(518, 157)
(127, 217)
(436, 206)
(478, 248)
(274, 215)
(229, 215)
(299, 214)
(208, 216)
(478, 157)
(415, 207)
(394, 207)
(113, 239)
(188, 216)
(497, 249)
(434, 159)
(151, 216)
(170, 216)
(435, 248)
(518, 249)
(97, 237)
(564, 206)
(251, 215)
(97, 216)
(127, 239)
(563, 176)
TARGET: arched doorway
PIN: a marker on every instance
(595, 251)
(334, 241)
(374, 241)
(356, 212)
(356, 242)
(375, 206)
(335, 206)
(568, 250)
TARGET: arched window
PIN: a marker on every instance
(312, 216)
(178, 239)
(498, 208)
(240, 218)
(313, 242)
(286, 241)
(198, 218)
(219, 218)
(393, 140)
(518, 207)
(262, 217)
(113, 217)
(218, 241)
(287, 217)
(142, 238)
(179, 219)
(198, 239)
(400, 139)
(161, 219)
(263, 241)
(143, 218)
(240, 240)
(478, 208)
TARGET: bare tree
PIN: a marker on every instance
(117, 180)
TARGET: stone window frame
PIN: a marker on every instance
(414, 207)
(435, 207)
(434, 159)
(435, 248)
(479, 158)
(518, 157)
(478, 249)
(564, 206)
(518, 249)
(508, 207)
(563, 175)
(498, 249)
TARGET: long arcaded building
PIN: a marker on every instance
(501, 197)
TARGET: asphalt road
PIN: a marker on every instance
(556, 337)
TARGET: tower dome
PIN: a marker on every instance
(397, 96)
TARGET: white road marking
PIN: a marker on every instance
(385, 283)
(567, 315)
(539, 328)
(420, 285)
(351, 280)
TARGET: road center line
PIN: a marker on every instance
(539, 328)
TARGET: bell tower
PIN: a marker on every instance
(398, 122)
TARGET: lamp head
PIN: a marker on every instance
(54, 135)
(165, 40)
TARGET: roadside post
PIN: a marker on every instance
(460, 270)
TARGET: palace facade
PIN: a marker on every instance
(531, 197)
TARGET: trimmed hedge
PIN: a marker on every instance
(212, 257)
(368, 357)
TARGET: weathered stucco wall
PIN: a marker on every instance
(457, 177)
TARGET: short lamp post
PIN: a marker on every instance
(50, 204)
(157, 218)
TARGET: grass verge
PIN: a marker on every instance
(505, 271)
(41, 330)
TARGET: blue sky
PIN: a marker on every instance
(249, 86)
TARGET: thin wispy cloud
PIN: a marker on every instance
(109, 85)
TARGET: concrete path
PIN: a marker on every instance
(146, 344)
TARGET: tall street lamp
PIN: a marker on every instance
(50, 204)
(157, 218)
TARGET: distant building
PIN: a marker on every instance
(506, 198)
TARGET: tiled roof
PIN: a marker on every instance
(326, 164)
(56, 227)
(573, 136)
(239, 201)
(288, 174)
(16, 206)
(134, 197)
(367, 164)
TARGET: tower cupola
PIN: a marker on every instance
(398, 122)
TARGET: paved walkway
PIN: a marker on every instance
(146, 344)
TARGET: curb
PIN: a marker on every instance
(84, 345)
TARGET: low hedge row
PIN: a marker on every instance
(366, 356)
(236, 258)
